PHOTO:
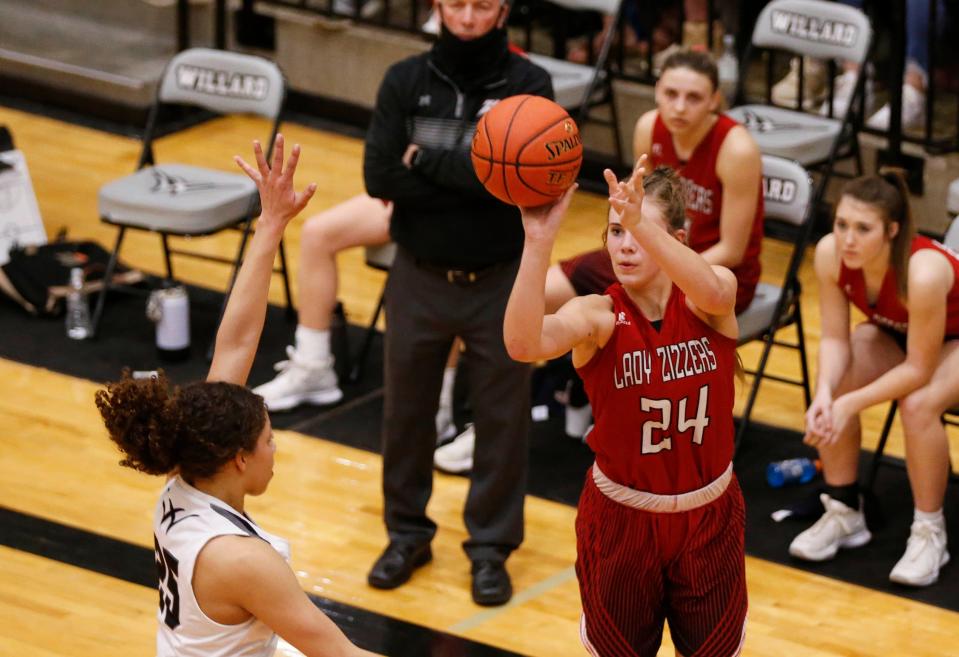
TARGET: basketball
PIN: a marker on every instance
(527, 151)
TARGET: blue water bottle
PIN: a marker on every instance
(792, 471)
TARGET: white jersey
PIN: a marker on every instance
(184, 521)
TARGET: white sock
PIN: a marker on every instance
(312, 344)
(934, 517)
(446, 392)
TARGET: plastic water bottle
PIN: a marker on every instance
(728, 67)
(792, 471)
(78, 308)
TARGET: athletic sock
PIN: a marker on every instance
(848, 494)
(446, 391)
(312, 344)
(934, 517)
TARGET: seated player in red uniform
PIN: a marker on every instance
(908, 349)
(720, 167)
(660, 527)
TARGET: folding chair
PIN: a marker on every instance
(951, 416)
(378, 257)
(813, 28)
(190, 201)
(580, 87)
(787, 196)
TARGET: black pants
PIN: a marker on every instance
(425, 312)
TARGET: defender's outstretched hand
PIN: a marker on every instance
(278, 200)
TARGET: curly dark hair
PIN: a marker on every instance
(195, 429)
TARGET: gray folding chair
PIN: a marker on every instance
(787, 196)
(580, 87)
(190, 201)
(951, 416)
(812, 28)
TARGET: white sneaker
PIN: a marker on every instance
(925, 554)
(843, 88)
(457, 457)
(839, 527)
(660, 58)
(445, 428)
(786, 91)
(913, 111)
(300, 381)
(368, 8)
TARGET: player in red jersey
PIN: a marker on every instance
(908, 349)
(660, 527)
(721, 170)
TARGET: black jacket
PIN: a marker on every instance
(442, 214)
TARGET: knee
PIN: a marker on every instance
(919, 407)
(315, 235)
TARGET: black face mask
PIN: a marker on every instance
(474, 62)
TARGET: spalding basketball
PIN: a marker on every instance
(527, 151)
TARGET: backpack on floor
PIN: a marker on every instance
(38, 277)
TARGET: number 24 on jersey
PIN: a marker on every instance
(684, 422)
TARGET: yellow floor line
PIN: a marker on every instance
(522, 597)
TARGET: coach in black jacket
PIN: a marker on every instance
(458, 254)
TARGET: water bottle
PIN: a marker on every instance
(78, 307)
(728, 67)
(170, 309)
(792, 471)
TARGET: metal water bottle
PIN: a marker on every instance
(169, 308)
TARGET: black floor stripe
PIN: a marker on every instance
(133, 563)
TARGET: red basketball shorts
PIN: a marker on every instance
(639, 569)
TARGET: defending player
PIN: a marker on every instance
(660, 529)
(225, 585)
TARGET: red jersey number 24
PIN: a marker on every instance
(683, 421)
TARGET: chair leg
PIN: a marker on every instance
(754, 390)
(229, 288)
(359, 363)
(290, 310)
(881, 447)
(614, 117)
(166, 256)
(858, 155)
(107, 280)
(804, 367)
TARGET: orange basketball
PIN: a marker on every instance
(527, 150)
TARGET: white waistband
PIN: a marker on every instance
(644, 501)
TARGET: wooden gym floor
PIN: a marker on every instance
(58, 465)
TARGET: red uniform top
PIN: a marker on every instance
(662, 400)
(704, 198)
(889, 311)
